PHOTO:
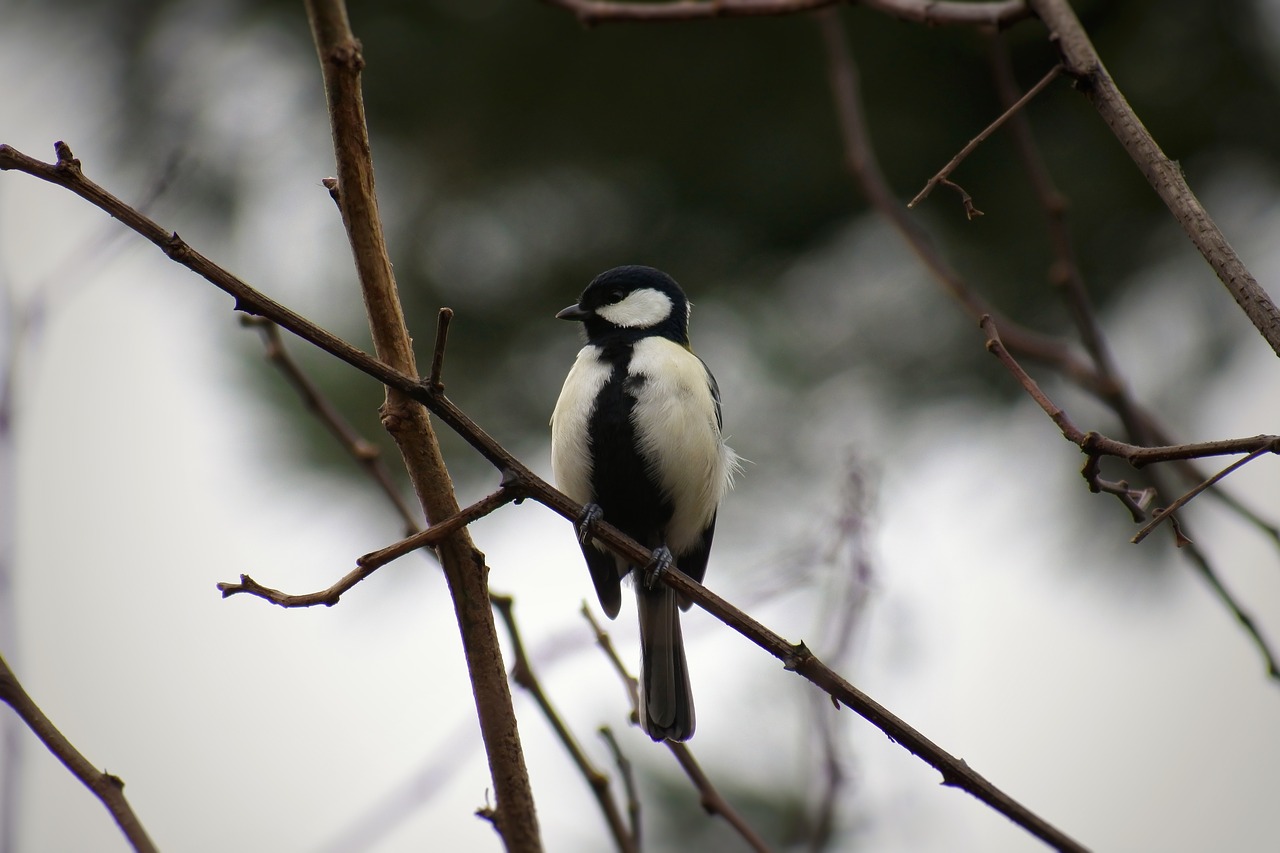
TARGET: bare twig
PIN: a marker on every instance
(1225, 595)
(371, 562)
(1080, 59)
(105, 786)
(1095, 445)
(605, 642)
(522, 673)
(628, 781)
(514, 814)
(846, 589)
(1168, 511)
(711, 800)
(946, 170)
(993, 13)
(364, 452)
(861, 159)
(442, 338)
(971, 211)
(1065, 274)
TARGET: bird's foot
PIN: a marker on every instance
(591, 513)
(662, 560)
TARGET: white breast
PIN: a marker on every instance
(570, 446)
(677, 433)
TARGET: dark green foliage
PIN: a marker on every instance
(526, 153)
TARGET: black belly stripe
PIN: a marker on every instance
(620, 481)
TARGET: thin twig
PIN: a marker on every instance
(364, 452)
(1225, 595)
(605, 642)
(628, 776)
(971, 211)
(994, 13)
(523, 674)
(946, 170)
(1140, 426)
(514, 814)
(1095, 445)
(1168, 511)
(370, 563)
(442, 338)
(1080, 59)
(846, 589)
(861, 159)
(711, 800)
(107, 787)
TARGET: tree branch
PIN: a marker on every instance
(1095, 446)
(363, 452)
(522, 673)
(1167, 512)
(712, 802)
(514, 814)
(1082, 62)
(370, 563)
(968, 149)
(105, 786)
(994, 13)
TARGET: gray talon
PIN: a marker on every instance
(591, 513)
(662, 560)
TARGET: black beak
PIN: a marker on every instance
(573, 312)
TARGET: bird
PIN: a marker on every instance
(636, 438)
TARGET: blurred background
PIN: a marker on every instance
(907, 512)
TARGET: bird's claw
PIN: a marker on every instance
(591, 513)
(662, 560)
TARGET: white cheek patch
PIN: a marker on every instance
(640, 310)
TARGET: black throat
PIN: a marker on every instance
(621, 480)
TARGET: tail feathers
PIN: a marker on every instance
(666, 702)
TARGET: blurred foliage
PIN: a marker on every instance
(528, 153)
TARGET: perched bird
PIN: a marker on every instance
(635, 436)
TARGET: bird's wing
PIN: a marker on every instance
(715, 392)
(605, 576)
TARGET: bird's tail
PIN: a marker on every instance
(666, 702)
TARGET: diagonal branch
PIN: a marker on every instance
(1095, 446)
(955, 161)
(1082, 62)
(370, 563)
(365, 453)
(105, 786)
(713, 803)
(1167, 512)
(1099, 445)
(523, 674)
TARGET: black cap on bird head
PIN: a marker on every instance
(632, 301)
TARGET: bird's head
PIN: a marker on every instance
(632, 301)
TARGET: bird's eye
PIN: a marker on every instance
(615, 296)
